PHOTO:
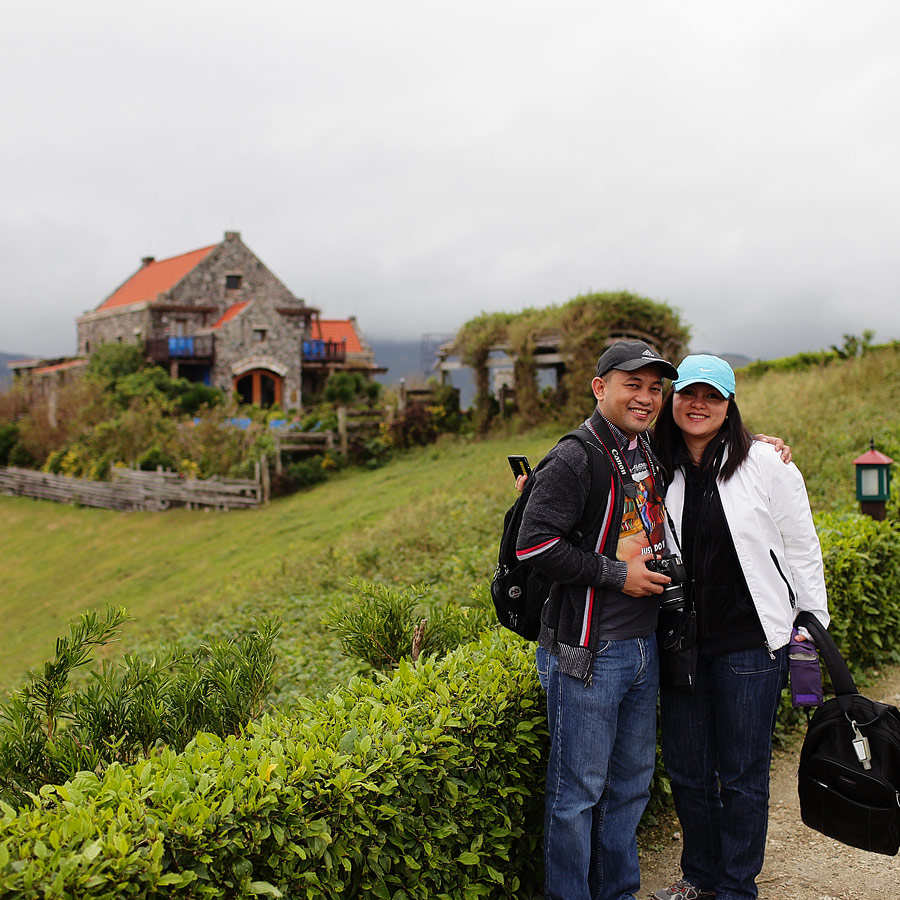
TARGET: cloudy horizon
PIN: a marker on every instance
(415, 164)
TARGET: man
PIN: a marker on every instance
(597, 656)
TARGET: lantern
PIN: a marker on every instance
(873, 481)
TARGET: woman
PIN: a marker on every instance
(742, 520)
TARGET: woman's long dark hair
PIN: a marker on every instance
(669, 442)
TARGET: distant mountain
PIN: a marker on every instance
(413, 360)
(6, 375)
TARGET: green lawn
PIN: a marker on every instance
(431, 515)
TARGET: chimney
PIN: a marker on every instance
(232, 235)
(146, 260)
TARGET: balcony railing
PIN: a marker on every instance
(195, 347)
(324, 351)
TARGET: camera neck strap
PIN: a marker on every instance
(601, 428)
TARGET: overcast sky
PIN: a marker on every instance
(415, 162)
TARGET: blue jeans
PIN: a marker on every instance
(602, 755)
(717, 747)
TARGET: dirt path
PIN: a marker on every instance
(801, 864)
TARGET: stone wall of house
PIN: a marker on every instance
(261, 338)
(205, 284)
(126, 325)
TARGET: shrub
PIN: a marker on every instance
(50, 730)
(307, 472)
(385, 625)
(9, 437)
(424, 784)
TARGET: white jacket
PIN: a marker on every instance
(771, 525)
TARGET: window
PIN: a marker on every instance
(259, 335)
(232, 282)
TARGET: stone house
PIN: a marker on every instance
(217, 315)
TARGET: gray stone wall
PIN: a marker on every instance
(125, 325)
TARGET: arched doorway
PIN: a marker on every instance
(260, 387)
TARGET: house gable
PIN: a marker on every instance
(155, 278)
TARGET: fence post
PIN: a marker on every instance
(279, 465)
(266, 485)
(342, 428)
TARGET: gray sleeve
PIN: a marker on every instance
(555, 506)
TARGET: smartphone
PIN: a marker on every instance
(519, 465)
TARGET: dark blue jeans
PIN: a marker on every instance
(717, 747)
(602, 755)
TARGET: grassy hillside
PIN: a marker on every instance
(828, 415)
(431, 516)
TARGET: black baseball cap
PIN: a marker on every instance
(631, 355)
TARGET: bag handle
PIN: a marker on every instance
(841, 679)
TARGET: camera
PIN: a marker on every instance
(673, 593)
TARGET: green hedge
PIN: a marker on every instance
(427, 784)
(862, 570)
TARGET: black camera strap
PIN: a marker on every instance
(601, 428)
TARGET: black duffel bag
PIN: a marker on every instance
(849, 774)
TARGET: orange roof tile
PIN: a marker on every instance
(231, 312)
(155, 277)
(336, 330)
(68, 364)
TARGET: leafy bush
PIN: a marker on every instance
(386, 625)
(425, 784)
(307, 472)
(9, 437)
(862, 570)
(50, 730)
(345, 387)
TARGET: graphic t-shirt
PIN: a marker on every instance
(622, 616)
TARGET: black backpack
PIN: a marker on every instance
(517, 588)
(849, 773)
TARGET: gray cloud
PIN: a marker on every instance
(418, 163)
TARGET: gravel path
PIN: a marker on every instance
(801, 864)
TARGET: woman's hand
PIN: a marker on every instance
(520, 482)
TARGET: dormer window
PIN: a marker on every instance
(232, 282)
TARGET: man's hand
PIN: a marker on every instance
(641, 581)
(778, 444)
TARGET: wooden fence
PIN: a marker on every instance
(131, 489)
(351, 423)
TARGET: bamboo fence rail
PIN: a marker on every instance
(131, 490)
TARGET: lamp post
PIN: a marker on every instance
(873, 481)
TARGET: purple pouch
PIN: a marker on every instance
(806, 674)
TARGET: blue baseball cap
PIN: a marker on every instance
(702, 368)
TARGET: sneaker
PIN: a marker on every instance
(681, 890)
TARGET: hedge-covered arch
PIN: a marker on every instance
(580, 328)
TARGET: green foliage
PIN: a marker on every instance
(9, 437)
(862, 570)
(51, 729)
(111, 362)
(583, 325)
(380, 625)
(427, 784)
(307, 472)
(828, 414)
(20, 456)
(346, 387)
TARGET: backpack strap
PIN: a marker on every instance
(591, 512)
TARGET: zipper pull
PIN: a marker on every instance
(861, 747)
